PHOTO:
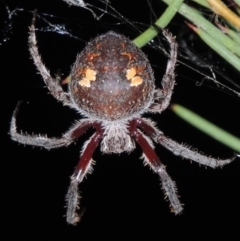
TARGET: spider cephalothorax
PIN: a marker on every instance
(112, 85)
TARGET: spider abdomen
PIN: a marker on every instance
(112, 79)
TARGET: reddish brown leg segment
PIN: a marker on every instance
(88, 150)
(82, 168)
(154, 162)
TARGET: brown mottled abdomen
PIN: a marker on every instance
(111, 78)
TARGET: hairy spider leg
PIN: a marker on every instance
(163, 96)
(154, 162)
(88, 150)
(178, 149)
(53, 84)
(43, 141)
(185, 152)
(83, 167)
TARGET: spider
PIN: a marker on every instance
(112, 86)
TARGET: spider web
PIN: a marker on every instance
(99, 16)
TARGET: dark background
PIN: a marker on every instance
(122, 197)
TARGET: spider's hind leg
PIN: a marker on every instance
(154, 162)
(83, 167)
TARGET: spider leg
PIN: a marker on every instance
(52, 84)
(185, 152)
(37, 140)
(163, 96)
(154, 162)
(178, 149)
(83, 167)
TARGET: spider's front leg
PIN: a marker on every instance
(48, 143)
(84, 166)
(52, 84)
(163, 96)
(153, 161)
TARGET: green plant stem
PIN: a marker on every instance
(237, 2)
(162, 22)
(207, 127)
(203, 3)
(234, 35)
(218, 47)
(196, 18)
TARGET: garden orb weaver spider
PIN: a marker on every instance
(112, 86)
